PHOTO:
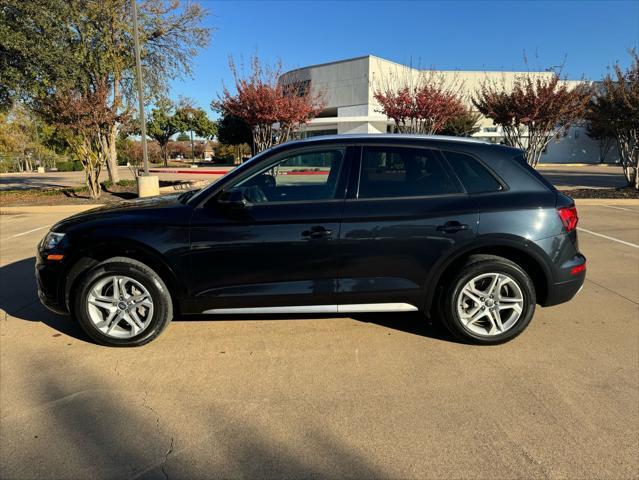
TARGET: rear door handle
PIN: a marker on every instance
(452, 227)
(317, 232)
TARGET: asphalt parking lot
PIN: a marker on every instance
(368, 397)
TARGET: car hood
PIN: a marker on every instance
(159, 209)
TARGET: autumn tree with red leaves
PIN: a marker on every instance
(614, 113)
(535, 110)
(272, 109)
(84, 119)
(425, 106)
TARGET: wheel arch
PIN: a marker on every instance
(102, 251)
(518, 250)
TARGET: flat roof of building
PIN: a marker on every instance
(368, 136)
(413, 67)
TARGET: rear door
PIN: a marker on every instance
(405, 210)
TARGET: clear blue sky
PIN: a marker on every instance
(585, 36)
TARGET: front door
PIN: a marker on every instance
(278, 249)
(407, 210)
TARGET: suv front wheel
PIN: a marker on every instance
(489, 301)
(122, 302)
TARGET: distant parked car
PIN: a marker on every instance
(462, 230)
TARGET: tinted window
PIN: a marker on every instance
(474, 176)
(304, 176)
(404, 172)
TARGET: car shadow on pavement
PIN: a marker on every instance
(88, 423)
(19, 299)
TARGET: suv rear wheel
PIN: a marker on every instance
(122, 302)
(489, 301)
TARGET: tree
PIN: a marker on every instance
(599, 129)
(194, 120)
(183, 137)
(162, 125)
(271, 108)
(85, 119)
(535, 110)
(95, 39)
(463, 125)
(425, 105)
(614, 110)
(232, 130)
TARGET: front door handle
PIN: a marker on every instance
(317, 232)
(452, 227)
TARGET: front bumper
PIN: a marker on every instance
(49, 276)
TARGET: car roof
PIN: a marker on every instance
(398, 138)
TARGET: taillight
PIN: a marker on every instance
(578, 269)
(568, 217)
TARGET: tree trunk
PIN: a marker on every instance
(112, 155)
(93, 181)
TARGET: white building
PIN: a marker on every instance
(349, 86)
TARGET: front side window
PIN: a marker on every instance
(304, 176)
(475, 177)
(404, 172)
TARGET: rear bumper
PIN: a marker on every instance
(565, 290)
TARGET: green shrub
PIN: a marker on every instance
(74, 166)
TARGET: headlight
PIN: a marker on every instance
(52, 240)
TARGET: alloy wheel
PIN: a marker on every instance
(119, 306)
(490, 304)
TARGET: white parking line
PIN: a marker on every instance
(621, 208)
(607, 237)
(29, 231)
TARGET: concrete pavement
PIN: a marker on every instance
(366, 397)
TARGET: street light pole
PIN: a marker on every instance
(138, 71)
(190, 115)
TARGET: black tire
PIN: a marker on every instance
(477, 265)
(162, 304)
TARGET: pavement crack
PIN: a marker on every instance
(166, 458)
(612, 291)
(148, 407)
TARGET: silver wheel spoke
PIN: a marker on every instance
(493, 283)
(511, 305)
(114, 322)
(134, 316)
(108, 304)
(135, 328)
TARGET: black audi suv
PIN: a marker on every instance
(461, 230)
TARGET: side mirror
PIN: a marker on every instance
(233, 198)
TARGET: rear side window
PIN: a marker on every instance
(474, 176)
(404, 172)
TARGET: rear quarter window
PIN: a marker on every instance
(474, 176)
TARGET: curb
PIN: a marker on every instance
(607, 201)
(193, 171)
